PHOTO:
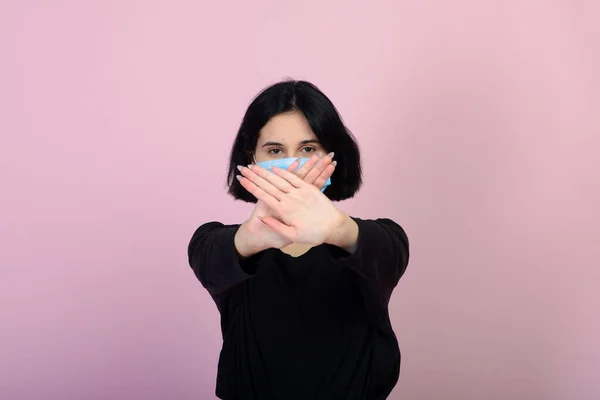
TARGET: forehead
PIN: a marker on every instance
(286, 128)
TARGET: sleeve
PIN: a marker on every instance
(213, 258)
(381, 255)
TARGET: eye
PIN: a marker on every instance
(309, 149)
(275, 151)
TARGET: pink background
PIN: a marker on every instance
(479, 124)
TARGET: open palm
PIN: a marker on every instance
(315, 173)
(300, 212)
(264, 235)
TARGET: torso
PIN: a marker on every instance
(304, 328)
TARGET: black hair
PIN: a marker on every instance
(325, 122)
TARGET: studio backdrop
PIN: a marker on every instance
(478, 123)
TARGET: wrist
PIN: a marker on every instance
(243, 242)
(345, 235)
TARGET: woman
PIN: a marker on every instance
(302, 288)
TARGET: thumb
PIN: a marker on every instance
(279, 227)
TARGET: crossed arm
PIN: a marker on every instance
(302, 213)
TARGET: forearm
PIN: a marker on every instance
(211, 254)
(378, 252)
(345, 235)
(244, 245)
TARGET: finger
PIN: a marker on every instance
(254, 175)
(259, 193)
(279, 227)
(264, 178)
(314, 173)
(301, 173)
(326, 174)
(291, 178)
(293, 165)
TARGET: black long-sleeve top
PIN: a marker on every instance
(309, 327)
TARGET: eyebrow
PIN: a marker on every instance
(303, 142)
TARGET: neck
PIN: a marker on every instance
(296, 249)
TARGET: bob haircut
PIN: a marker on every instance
(325, 122)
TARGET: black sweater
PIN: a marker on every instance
(309, 327)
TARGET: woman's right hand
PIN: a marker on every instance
(254, 236)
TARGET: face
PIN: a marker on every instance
(287, 135)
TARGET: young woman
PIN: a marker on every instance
(302, 288)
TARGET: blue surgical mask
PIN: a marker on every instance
(284, 163)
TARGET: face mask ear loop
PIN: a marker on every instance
(254, 158)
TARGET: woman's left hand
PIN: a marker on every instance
(304, 214)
